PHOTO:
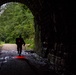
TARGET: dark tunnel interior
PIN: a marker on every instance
(55, 36)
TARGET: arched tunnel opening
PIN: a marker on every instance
(55, 33)
(15, 22)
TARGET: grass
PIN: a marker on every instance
(1, 47)
(1, 44)
(30, 44)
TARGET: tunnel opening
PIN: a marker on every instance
(17, 19)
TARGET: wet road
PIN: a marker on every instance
(16, 67)
(26, 64)
(12, 64)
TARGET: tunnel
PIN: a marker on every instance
(54, 23)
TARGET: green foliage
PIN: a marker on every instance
(31, 43)
(15, 20)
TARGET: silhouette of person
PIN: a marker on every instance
(19, 43)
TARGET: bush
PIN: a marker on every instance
(31, 44)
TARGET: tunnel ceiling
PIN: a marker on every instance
(42, 9)
(34, 5)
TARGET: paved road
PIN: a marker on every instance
(16, 67)
(10, 47)
(12, 64)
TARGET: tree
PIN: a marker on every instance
(15, 20)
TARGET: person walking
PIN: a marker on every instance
(19, 43)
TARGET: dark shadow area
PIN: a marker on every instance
(38, 71)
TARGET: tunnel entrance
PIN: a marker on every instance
(17, 19)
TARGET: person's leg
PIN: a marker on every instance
(20, 50)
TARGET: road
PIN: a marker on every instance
(12, 64)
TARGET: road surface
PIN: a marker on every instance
(12, 64)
